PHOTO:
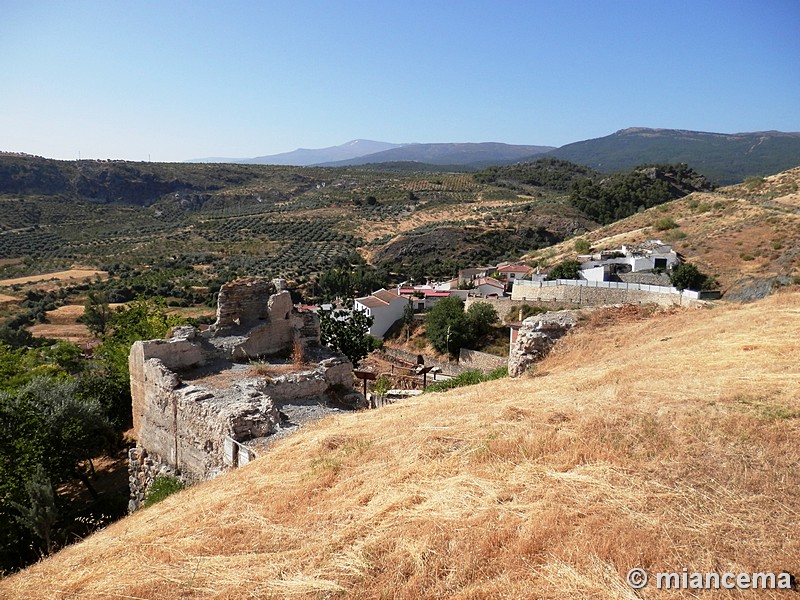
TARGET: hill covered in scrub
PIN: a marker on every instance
(723, 158)
(745, 235)
(659, 440)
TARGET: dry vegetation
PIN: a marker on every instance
(751, 229)
(72, 275)
(662, 441)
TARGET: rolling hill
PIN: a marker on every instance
(746, 235)
(661, 441)
(724, 158)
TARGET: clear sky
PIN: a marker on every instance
(173, 80)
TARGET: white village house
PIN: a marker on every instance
(487, 287)
(653, 254)
(384, 306)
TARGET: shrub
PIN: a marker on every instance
(582, 246)
(162, 486)
(753, 182)
(665, 223)
(565, 270)
(688, 277)
(467, 378)
(382, 385)
(674, 235)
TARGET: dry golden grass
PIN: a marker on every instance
(4, 299)
(71, 274)
(735, 232)
(62, 324)
(662, 441)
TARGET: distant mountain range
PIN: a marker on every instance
(723, 158)
(303, 157)
(362, 152)
(475, 155)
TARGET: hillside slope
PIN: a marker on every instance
(635, 445)
(724, 158)
(747, 235)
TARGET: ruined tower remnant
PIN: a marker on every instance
(199, 404)
(536, 337)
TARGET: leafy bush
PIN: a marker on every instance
(689, 277)
(582, 246)
(665, 223)
(567, 269)
(467, 378)
(162, 486)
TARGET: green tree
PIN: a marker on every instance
(567, 269)
(481, 316)
(448, 327)
(39, 513)
(687, 277)
(97, 315)
(44, 425)
(142, 320)
(346, 332)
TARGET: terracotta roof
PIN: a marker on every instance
(514, 268)
(488, 281)
(371, 302)
(387, 296)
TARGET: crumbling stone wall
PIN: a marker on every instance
(536, 337)
(187, 422)
(241, 305)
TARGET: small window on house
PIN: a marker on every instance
(660, 263)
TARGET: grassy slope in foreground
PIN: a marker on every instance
(662, 442)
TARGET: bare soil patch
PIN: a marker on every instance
(71, 274)
(8, 299)
(75, 333)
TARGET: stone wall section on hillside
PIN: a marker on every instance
(536, 337)
(195, 398)
(481, 361)
(588, 295)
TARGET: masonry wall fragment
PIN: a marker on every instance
(198, 398)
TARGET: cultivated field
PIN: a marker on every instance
(662, 442)
(71, 275)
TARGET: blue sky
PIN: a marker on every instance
(171, 80)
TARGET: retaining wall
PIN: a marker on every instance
(603, 292)
(472, 359)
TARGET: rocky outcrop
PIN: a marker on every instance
(536, 337)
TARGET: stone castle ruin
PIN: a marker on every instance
(207, 401)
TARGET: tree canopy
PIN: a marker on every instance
(449, 328)
(346, 332)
